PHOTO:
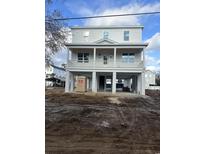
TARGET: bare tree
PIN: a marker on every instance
(55, 34)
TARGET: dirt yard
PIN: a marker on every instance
(100, 124)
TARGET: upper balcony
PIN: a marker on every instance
(104, 64)
(99, 58)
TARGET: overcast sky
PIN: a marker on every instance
(151, 23)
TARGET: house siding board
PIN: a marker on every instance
(114, 34)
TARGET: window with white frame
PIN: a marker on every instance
(128, 57)
(83, 57)
(105, 35)
(126, 35)
(86, 35)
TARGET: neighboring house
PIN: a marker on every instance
(111, 59)
(149, 79)
(55, 76)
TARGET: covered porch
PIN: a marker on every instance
(106, 57)
(108, 82)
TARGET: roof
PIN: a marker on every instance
(105, 40)
(106, 27)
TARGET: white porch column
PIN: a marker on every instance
(134, 84)
(114, 82)
(142, 55)
(67, 81)
(105, 83)
(94, 56)
(114, 57)
(129, 83)
(94, 89)
(143, 83)
(72, 82)
(140, 83)
(90, 83)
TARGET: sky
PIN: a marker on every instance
(151, 23)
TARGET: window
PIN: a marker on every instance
(125, 57)
(80, 57)
(105, 35)
(86, 57)
(86, 35)
(126, 35)
(83, 57)
(128, 57)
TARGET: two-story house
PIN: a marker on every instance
(111, 58)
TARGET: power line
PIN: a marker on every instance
(105, 16)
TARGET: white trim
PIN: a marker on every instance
(94, 56)
(114, 57)
(111, 70)
(107, 47)
(105, 40)
(105, 27)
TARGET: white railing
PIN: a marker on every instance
(100, 64)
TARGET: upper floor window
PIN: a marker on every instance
(126, 35)
(128, 57)
(105, 35)
(86, 35)
(83, 57)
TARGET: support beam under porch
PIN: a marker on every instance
(94, 82)
(114, 83)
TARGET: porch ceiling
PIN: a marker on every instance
(119, 74)
(125, 75)
(101, 49)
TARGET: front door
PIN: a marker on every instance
(105, 60)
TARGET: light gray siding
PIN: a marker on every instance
(92, 35)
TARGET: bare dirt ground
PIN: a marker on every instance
(100, 124)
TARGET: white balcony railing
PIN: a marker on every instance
(100, 64)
